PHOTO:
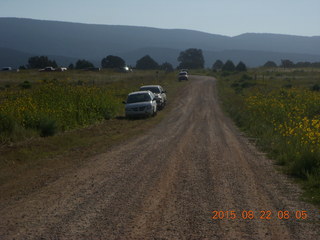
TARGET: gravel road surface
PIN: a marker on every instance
(165, 184)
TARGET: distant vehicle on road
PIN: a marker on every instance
(183, 76)
(160, 94)
(141, 103)
(6, 69)
(61, 69)
(125, 69)
(47, 69)
(9, 69)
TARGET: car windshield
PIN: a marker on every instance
(142, 97)
(151, 89)
(183, 73)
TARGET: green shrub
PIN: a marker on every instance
(235, 85)
(47, 127)
(225, 74)
(7, 123)
(25, 85)
(245, 77)
(287, 85)
(315, 87)
(247, 85)
(80, 83)
(304, 165)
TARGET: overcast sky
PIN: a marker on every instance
(226, 17)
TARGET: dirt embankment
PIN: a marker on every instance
(165, 185)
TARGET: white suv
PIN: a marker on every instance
(160, 94)
(183, 76)
(141, 103)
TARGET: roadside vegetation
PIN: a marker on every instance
(280, 109)
(48, 103)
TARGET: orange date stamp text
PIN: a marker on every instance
(262, 215)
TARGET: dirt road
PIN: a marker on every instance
(165, 185)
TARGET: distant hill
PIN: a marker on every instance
(277, 43)
(13, 58)
(21, 38)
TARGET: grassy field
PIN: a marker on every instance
(280, 110)
(34, 103)
(85, 111)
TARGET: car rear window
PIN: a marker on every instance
(143, 97)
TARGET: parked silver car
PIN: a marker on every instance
(47, 69)
(183, 76)
(6, 69)
(141, 103)
(159, 92)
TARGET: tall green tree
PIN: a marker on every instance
(71, 66)
(41, 62)
(191, 58)
(241, 67)
(146, 63)
(303, 64)
(166, 67)
(83, 64)
(112, 62)
(286, 63)
(217, 65)
(270, 64)
(229, 66)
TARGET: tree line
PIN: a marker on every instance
(286, 63)
(191, 58)
(229, 66)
